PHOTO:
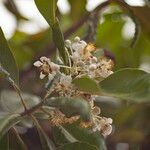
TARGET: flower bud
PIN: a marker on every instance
(76, 39)
(80, 63)
(94, 59)
(96, 110)
(68, 43)
(92, 67)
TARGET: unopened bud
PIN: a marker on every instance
(68, 43)
(76, 39)
(92, 67)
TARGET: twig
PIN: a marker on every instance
(92, 27)
(11, 81)
(31, 110)
(19, 93)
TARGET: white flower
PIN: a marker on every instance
(96, 126)
(66, 80)
(107, 130)
(96, 110)
(80, 63)
(79, 46)
(54, 67)
(106, 127)
(45, 59)
(47, 68)
(75, 57)
(93, 60)
(103, 125)
(92, 67)
(42, 76)
(38, 64)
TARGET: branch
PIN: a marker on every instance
(33, 109)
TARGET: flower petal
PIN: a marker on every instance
(42, 76)
(38, 64)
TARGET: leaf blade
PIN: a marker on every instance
(7, 59)
(85, 135)
(132, 84)
(47, 9)
(7, 121)
(86, 84)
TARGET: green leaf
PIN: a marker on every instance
(59, 40)
(47, 8)
(71, 106)
(4, 143)
(7, 59)
(86, 84)
(46, 142)
(130, 84)
(77, 146)
(85, 135)
(67, 135)
(10, 101)
(7, 121)
(62, 136)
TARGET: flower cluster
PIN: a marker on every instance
(82, 61)
(85, 63)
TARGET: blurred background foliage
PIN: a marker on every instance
(114, 31)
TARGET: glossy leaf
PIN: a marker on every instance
(71, 106)
(130, 84)
(85, 135)
(62, 136)
(47, 9)
(77, 146)
(86, 84)
(7, 121)
(7, 59)
(59, 40)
